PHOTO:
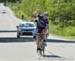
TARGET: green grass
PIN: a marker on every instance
(64, 32)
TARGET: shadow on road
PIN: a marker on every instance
(3, 31)
(52, 56)
(15, 39)
(30, 39)
(60, 41)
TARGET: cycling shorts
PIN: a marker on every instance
(40, 30)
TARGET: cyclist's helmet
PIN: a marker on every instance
(41, 17)
(46, 13)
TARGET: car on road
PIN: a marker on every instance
(26, 28)
(3, 11)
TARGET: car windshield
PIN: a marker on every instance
(27, 25)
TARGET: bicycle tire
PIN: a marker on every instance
(43, 52)
(42, 48)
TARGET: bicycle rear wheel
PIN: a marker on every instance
(39, 52)
(43, 52)
(42, 46)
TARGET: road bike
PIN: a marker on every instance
(42, 45)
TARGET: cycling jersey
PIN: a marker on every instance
(41, 23)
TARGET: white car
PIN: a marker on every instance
(26, 28)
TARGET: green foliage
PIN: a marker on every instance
(64, 9)
(63, 31)
(2, 0)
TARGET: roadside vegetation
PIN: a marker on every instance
(61, 13)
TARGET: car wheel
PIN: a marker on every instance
(34, 37)
(18, 36)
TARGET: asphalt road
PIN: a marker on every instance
(24, 49)
(7, 20)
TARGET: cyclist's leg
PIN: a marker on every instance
(45, 36)
(45, 31)
(38, 38)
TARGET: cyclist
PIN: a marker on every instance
(42, 27)
(34, 18)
